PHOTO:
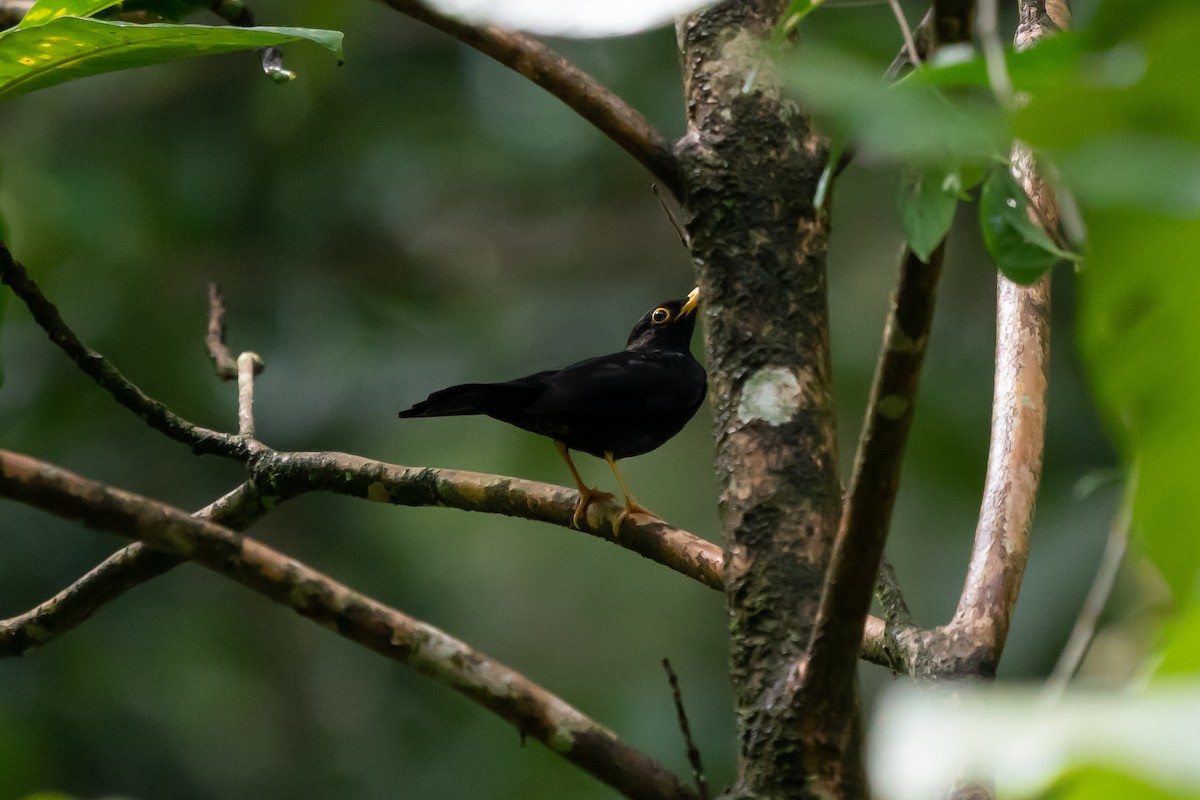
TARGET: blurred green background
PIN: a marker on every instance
(417, 217)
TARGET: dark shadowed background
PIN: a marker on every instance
(419, 217)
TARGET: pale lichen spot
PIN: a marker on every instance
(772, 395)
(378, 492)
(892, 406)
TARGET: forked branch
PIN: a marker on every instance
(533, 711)
(125, 569)
(156, 415)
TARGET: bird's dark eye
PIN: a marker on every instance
(660, 316)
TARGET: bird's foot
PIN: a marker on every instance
(631, 507)
(586, 498)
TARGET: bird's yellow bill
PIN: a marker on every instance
(690, 305)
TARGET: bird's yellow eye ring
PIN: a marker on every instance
(660, 315)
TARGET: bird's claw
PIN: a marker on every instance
(586, 498)
(631, 507)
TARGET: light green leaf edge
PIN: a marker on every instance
(67, 48)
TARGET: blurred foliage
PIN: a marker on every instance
(421, 216)
(1022, 743)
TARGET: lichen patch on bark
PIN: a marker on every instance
(772, 394)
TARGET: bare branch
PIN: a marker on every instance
(214, 339)
(285, 475)
(693, 752)
(95, 366)
(248, 365)
(993, 52)
(858, 562)
(593, 101)
(866, 517)
(909, 44)
(895, 609)
(532, 710)
(130, 566)
(1018, 429)
(281, 476)
(1014, 466)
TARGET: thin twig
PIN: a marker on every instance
(887, 589)
(1084, 630)
(214, 339)
(693, 752)
(248, 365)
(680, 231)
(155, 414)
(593, 101)
(129, 567)
(993, 52)
(909, 44)
(533, 711)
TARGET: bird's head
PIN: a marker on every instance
(667, 326)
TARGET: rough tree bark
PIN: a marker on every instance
(751, 164)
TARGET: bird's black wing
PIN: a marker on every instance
(627, 403)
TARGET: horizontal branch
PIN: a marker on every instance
(284, 475)
(155, 414)
(535, 712)
(281, 475)
(593, 101)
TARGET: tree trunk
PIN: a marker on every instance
(751, 163)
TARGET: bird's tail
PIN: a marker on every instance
(469, 398)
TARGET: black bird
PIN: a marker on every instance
(612, 407)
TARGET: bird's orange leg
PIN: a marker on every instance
(632, 506)
(587, 495)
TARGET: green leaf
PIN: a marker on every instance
(927, 203)
(45, 10)
(1021, 248)
(67, 48)
(1180, 654)
(1047, 64)
(1139, 331)
(1098, 783)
